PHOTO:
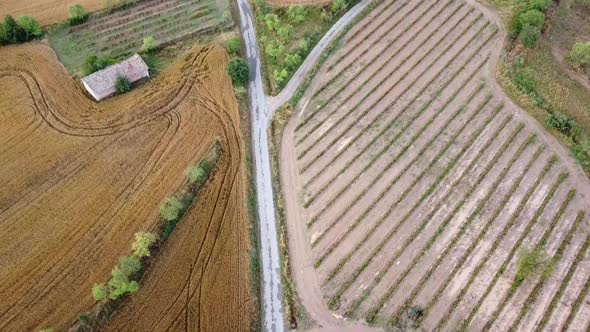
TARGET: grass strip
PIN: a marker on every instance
(504, 265)
(557, 296)
(477, 210)
(427, 193)
(381, 302)
(533, 295)
(511, 223)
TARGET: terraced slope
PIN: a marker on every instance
(419, 184)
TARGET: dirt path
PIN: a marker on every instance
(559, 56)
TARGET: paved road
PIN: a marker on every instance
(269, 248)
(287, 93)
(261, 115)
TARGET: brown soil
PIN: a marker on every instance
(46, 12)
(414, 182)
(81, 178)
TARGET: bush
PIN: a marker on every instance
(11, 32)
(580, 54)
(531, 263)
(122, 85)
(238, 71)
(529, 35)
(560, 121)
(524, 79)
(149, 44)
(285, 32)
(234, 46)
(170, 209)
(293, 61)
(100, 292)
(93, 64)
(533, 18)
(280, 75)
(296, 14)
(540, 5)
(338, 6)
(272, 22)
(31, 27)
(142, 244)
(120, 284)
(196, 175)
(77, 15)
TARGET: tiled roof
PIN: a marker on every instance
(131, 68)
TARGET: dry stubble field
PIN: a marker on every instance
(419, 183)
(79, 179)
(47, 12)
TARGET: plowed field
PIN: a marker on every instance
(418, 183)
(79, 179)
(46, 11)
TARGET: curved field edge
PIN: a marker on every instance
(572, 169)
(194, 99)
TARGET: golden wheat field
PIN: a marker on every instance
(79, 179)
(47, 12)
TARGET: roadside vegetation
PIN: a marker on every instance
(531, 73)
(286, 35)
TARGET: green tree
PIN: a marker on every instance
(13, 33)
(120, 284)
(196, 175)
(100, 292)
(540, 5)
(129, 265)
(338, 6)
(31, 27)
(143, 242)
(296, 14)
(238, 71)
(275, 49)
(122, 85)
(293, 61)
(560, 121)
(533, 18)
(285, 32)
(580, 54)
(170, 209)
(280, 75)
(149, 44)
(77, 14)
(529, 35)
(234, 46)
(272, 21)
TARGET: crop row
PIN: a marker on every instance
(346, 284)
(392, 123)
(575, 307)
(509, 226)
(499, 154)
(445, 66)
(557, 257)
(387, 33)
(360, 87)
(369, 108)
(528, 142)
(504, 265)
(564, 284)
(411, 141)
(374, 311)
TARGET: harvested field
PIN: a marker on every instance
(122, 32)
(79, 179)
(47, 12)
(415, 184)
